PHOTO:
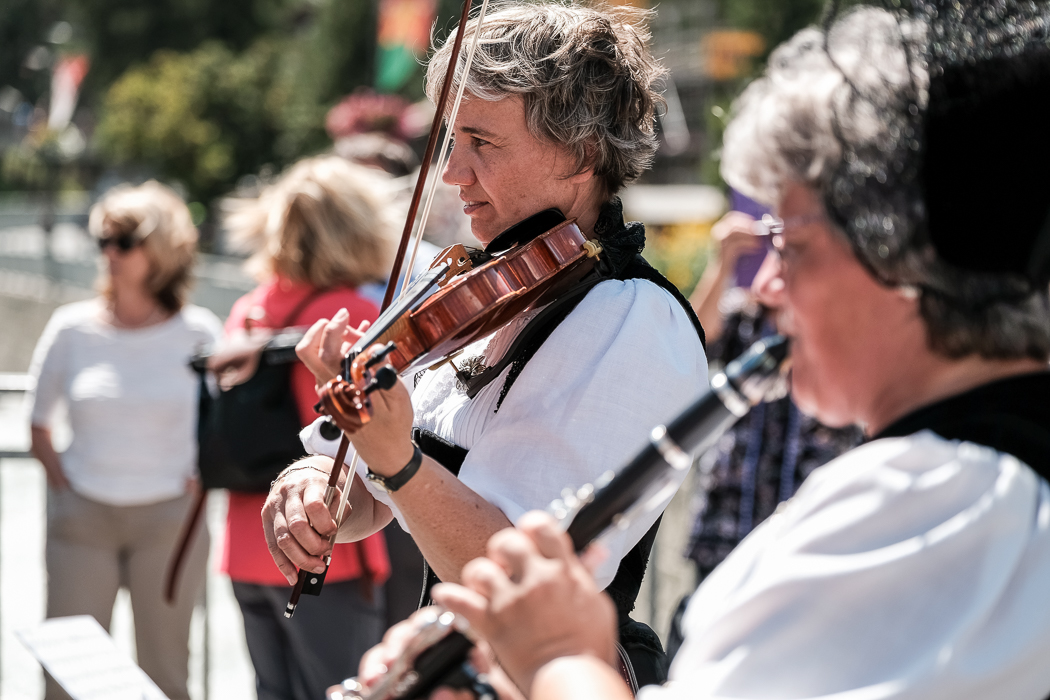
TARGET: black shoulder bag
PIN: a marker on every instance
(249, 432)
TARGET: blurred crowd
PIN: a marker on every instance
(117, 368)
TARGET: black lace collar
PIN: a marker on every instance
(621, 242)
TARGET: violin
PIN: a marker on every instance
(455, 303)
(445, 310)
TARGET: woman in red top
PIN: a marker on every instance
(318, 233)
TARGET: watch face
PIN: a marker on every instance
(379, 481)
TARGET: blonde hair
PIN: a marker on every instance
(161, 223)
(322, 223)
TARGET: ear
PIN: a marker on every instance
(583, 176)
(586, 169)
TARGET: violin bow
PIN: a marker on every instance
(315, 581)
(428, 155)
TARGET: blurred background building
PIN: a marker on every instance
(219, 97)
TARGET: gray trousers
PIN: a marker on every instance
(321, 645)
(93, 549)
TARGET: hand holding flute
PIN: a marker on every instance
(531, 597)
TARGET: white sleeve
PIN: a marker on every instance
(205, 323)
(48, 369)
(316, 444)
(625, 360)
(908, 569)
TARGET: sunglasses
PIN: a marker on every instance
(124, 242)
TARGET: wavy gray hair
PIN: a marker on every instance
(586, 77)
(840, 111)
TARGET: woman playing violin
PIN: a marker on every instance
(558, 114)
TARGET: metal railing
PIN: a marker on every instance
(20, 383)
(15, 383)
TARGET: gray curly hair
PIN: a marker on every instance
(586, 76)
(841, 110)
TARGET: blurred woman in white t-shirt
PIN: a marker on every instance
(117, 365)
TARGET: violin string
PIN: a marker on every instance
(345, 497)
(444, 153)
(442, 157)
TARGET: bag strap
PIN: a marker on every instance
(301, 306)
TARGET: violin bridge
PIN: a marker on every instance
(458, 261)
(446, 360)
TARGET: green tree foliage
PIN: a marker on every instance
(200, 117)
(204, 92)
(211, 115)
(121, 33)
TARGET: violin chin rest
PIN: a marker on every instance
(524, 231)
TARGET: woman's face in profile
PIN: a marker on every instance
(505, 174)
(848, 333)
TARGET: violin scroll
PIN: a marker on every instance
(347, 406)
(347, 402)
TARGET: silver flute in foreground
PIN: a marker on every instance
(438, 655)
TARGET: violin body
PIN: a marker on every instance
(479, 302)
(470, 306)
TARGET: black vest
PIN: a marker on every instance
(621, 259)
(1011, 415)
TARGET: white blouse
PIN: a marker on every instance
(625, 360)
(910, 568)
(130, 397)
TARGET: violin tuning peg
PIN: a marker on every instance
(329, 430)
(385, 378)
(381, 355)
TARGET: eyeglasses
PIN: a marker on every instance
(770, 225)
(773, 226)
(124, 242)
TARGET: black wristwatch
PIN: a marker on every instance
(389, 484)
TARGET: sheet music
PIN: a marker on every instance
(84, 659)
